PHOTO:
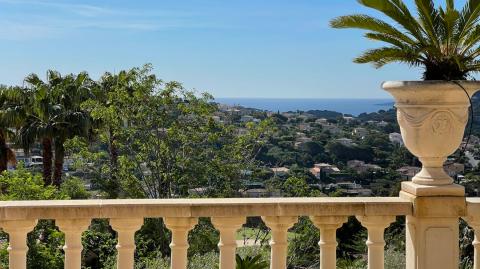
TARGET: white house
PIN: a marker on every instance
(395, 138)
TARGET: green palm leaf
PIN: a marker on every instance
(249, 262)
(444, 40)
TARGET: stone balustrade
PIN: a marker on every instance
(18, 218)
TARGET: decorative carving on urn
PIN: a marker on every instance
(440, 121)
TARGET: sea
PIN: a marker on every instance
(345, 106)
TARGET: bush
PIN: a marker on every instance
(394, 259)
(74, 188)
(208, 260)
(23, 185)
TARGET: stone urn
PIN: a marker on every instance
(432, 116)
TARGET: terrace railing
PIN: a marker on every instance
(227, 215)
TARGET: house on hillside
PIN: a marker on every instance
(361, 167)
(321, 121)
(360, 132)
(304, 127)
(395, 138)
(280, 171)
(408, 172)
(454, 169)
(382, 124)
(320, 170)
(348, 119)
(345, 141)
(333, 129)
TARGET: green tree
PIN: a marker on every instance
(74, 188)
(443, 40)
(295, 187)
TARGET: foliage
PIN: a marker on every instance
(45, 247)
(394, 259)
(249, 262)
(443, 40)
(295, 187)
(351, 264)
(204, 238)
(23, 185)
(74, 188)
(345, 153)
(99, 245)
(203, 261)
(303, 249)
(157, 137)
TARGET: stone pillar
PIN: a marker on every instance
(17, 236)
(432, 231)
(328, 226)
(228, 228)
(126, 229)
(376, 244)
(179, 245)
(279, 227)
(73, 229)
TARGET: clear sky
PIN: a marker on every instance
(230, 48)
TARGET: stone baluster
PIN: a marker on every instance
(17, 233)
(228, 229)
(73, 229)
(179, 245)
(126, 229)
(328, 226)
(279, 227)
(376, 226)
(475, 224)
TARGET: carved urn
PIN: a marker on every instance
(432, 116)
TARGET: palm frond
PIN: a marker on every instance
(429, 17)
(382, 56)
(369, 23)
(398, 11)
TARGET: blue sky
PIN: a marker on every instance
(230, 48)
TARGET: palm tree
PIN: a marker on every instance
(53, 116)
(442, 40)
(42, 118)
(74, 90)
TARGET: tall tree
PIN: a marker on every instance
(73, 91)
(54, 115)
(109, 112)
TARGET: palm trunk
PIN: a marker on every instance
(59, 158)
(3, 152)
(47, 160)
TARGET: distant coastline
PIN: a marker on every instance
(345, 106)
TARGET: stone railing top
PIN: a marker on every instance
(231, 207)
(473, 208)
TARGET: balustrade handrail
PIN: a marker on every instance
(228, 207)
(72, 217)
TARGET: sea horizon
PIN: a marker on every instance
(352, 106)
